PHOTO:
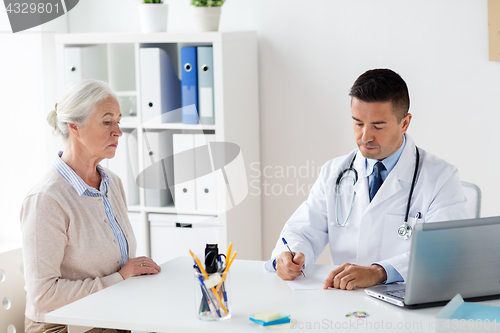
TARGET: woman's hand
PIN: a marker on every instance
(139, 266)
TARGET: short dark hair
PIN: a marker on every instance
(383, 85)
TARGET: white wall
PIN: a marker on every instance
(310, 56)
(26, 84)
(311, 52)
(27, 94)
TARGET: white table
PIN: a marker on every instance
(165, 303)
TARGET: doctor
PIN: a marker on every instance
(365, 204)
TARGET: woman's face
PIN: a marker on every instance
(99, 137)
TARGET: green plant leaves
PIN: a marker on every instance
(207, 3)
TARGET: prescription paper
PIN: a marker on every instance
(311, 282)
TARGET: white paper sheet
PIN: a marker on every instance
(311, 282)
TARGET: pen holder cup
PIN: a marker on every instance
(212, 301)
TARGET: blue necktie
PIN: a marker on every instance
(377, 179)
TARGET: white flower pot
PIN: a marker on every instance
(153, 17)
(206, 18)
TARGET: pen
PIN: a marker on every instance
(205, 292)
(202, 270)
(418, 215)
(206, 295)
(293, 255)
(206, 278)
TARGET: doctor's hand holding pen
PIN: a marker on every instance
(288, 267)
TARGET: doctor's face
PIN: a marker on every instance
(376, 129)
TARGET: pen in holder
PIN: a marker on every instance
(212, 301)
(212, 287)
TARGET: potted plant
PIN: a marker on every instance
(206, 14)
(153, 15)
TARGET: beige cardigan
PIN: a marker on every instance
(69, 248)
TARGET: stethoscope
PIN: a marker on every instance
(405, 230)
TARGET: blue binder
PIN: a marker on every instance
(189, 84)
(206, 84)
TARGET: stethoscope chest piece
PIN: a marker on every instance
(405, 231)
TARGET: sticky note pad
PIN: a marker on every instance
(271, 323)
(474, 311)
(267, 315)
(214, 280)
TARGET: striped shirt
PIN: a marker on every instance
(83, 189)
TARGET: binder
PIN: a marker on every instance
(160, 87)
(158, 169)
(184, 171)
(189, 83)
(206, 84)
(121, 164)
(85, 62)
(131, 144)
(206, 198)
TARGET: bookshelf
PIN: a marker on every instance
(236, 112)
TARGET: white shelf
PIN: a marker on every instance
(179, 126)
(130, 124)
(134, 208)
(159, 37)
(126, 93)
(236, 113)
(173, 210)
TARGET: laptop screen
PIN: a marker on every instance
(454, 257)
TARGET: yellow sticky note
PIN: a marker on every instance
(214, 280)
(267, 315)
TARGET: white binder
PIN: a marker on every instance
(206, 198)
(85, 62)
(158, 168)
(160, 87)
(206, 84)
(184, 171)
(121, 164)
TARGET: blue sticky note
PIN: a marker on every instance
(269, 323)
(477, 311)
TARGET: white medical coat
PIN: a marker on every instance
(372, 232)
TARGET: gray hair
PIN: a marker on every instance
(77, 104)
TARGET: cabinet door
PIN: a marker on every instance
(184, 171)
(173, 235)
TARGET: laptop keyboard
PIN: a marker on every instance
(397, 293)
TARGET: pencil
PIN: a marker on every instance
(228, 255)
(206, 278)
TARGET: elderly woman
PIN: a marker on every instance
(76, 235)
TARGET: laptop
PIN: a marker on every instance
(449, 258)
